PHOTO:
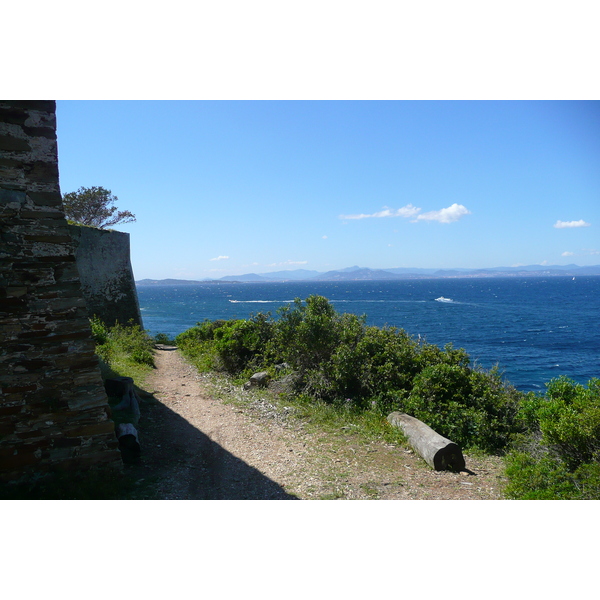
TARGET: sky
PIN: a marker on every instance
(324, 135)
(233, 187)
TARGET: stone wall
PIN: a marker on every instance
(107, 282)
(53, 407)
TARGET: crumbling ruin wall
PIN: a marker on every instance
(53, 406)
(104, 265)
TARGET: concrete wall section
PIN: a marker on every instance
(106, 276)
(53, 407)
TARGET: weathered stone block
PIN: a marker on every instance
(46, 199)
(47, 132)
(82, 402)
(12, 144)
(12, 197)
(91, 429)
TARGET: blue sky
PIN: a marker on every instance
(232, 187)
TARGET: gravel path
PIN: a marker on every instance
(197, 444)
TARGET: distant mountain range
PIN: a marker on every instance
(363, 274)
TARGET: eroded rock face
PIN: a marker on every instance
(53, 407)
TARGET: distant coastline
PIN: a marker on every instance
(366, 274)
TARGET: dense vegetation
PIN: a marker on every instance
(125, 350)
(559, 455)
(337, 359)
(551, 441)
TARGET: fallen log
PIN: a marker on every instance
(437, 451)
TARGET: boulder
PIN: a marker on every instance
(261, 378)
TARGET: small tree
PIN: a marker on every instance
(94, 206)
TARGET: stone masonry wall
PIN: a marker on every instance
(107, 281)
(53, 407)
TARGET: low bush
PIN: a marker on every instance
(558, 457)
(244, 344)
(163, 338)
(123, 349)
(470, 407)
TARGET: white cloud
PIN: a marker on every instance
(566, 224)
(446, 215)
(568, 254)
(406, 211)
(591, 251)
(220, 258)
(324, 237)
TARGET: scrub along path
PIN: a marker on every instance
(205, 438)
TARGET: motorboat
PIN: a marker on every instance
(442, 299)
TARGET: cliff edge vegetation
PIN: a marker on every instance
(320, 357)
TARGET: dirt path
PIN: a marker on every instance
(196, 445)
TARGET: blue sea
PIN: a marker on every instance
(534, 329)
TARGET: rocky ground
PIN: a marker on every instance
(204, 438)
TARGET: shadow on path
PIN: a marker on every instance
(189, 465)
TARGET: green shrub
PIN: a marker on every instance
(430, 354)
(559, 457)
(133, 340)
(201, 332)
(122, 348)
(197, 343)
(531, 478)
(440, 397)
(568, 419)
(472, 408)
(99, 330)
(163, 338)
(238, 345)
(380, 364)
(498, 404)
(547, 477)
(308, 334)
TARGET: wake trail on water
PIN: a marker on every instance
(261, 301)
(334, 301)
(534, 329)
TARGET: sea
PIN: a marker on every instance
(534, 329)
